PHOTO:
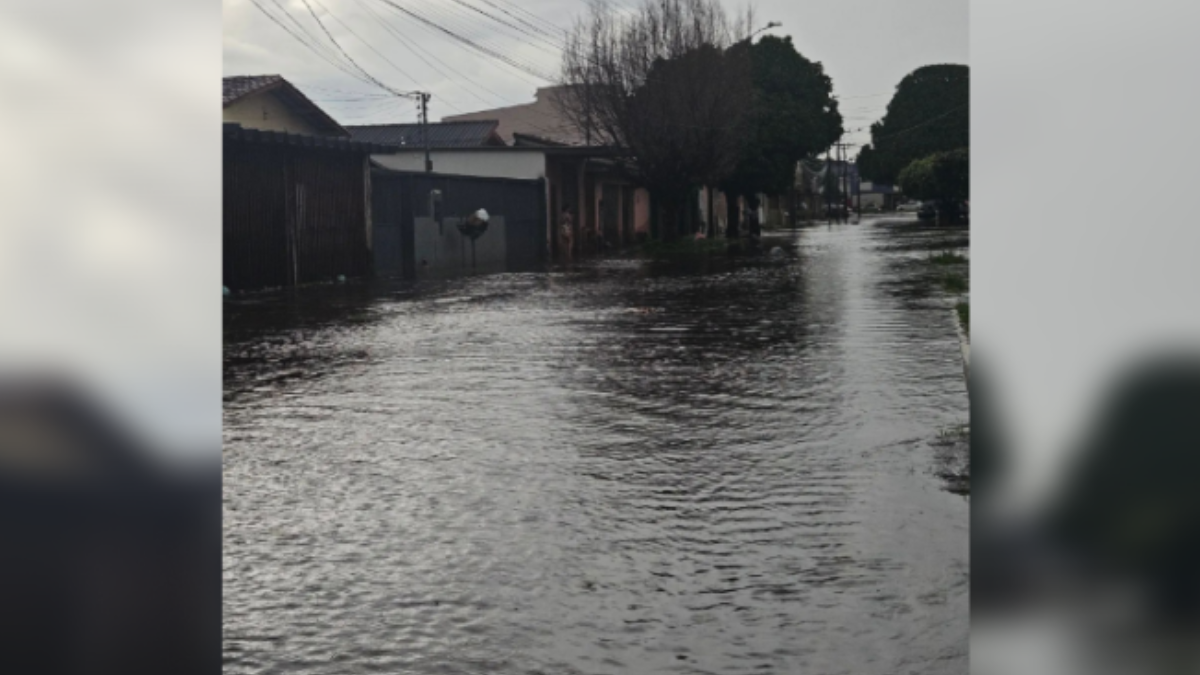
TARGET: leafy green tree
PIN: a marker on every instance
(944, 177)
(929, 113)
(793, 115)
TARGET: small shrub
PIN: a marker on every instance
(954, 283)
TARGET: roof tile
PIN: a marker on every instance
(236, 87)
(441, 135)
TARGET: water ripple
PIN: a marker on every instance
(716, 467)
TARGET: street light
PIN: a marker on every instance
(769, 26)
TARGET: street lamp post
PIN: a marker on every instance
(769, 26)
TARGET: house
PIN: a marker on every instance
(467, 134)
(540, 143)
(297, 189)
(271, 103)
(540, 120)
(610, 210)
(542, 124)
(878, 196)
(613, 211)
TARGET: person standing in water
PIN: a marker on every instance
(566, 232)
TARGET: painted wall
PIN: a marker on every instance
(720, 211)
(266, 112)
(529, 165)
(641, 210)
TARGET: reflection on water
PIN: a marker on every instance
(720, 466)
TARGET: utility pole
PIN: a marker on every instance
(849, 178)
(825, 185)
(425, 129)
(841, 170)
(845, 180)
(841, 183)
(858, 192)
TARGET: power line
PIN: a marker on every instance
(477, 29)
(331, 61)
(362, 74)
(456, 19)
(885, 93)
(367, 75)
(523, 31)
(360, 39)
(413, 47)
(372, 48)
(550, 25)
(312, 38)
(343, 92)
(560, 32)
(468, 42)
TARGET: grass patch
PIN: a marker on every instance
(954, 282)
(683, 246)
(947, 258)
(964, 316)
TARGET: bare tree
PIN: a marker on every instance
(661, 82)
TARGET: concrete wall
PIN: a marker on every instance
(266, 112)
(872, 199)
(529, 164)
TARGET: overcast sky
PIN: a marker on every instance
(866, 46)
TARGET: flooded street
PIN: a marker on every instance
(722, 465)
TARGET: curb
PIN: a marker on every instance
(964, 344)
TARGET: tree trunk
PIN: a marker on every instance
(733, 228)
(712, 216)
(655, 217)
(672, 213)
(689, 219)
(671, 221)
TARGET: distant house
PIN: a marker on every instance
(297, 189)
(540, 119)
(878, 195)
(542, 143)
(580, 172)
(470, 134)
(271, 103)
(608, 209)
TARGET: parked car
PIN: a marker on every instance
(928, 211)
(909, 207)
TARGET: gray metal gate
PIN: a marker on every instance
(411, 241)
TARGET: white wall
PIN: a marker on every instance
(871, 199)
(266, 112)
(528, 164)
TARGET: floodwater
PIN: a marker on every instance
(724, 465)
